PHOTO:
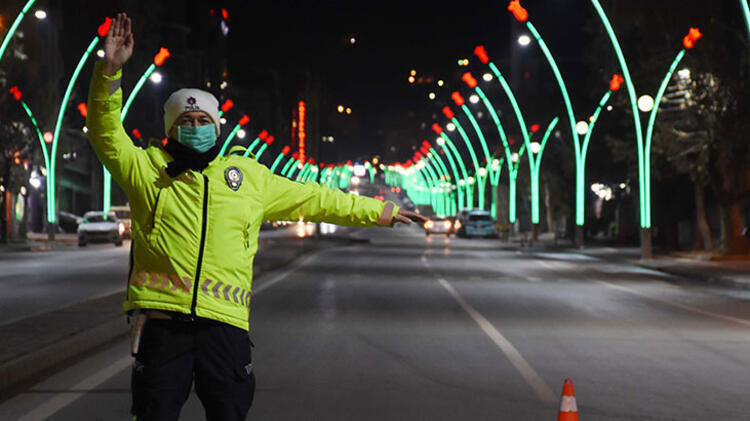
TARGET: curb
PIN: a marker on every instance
(686, 274)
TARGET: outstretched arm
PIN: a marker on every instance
(289, 200)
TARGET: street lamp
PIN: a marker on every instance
(155, 77)
(40, 14)
(582, 127)
(451, 127)
(535, 147)
(524, 40)
(240, 133)
(474, 99)
(645, 103)
(487, 77)
(431, 96)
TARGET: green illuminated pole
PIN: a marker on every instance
(293, 169)
(287, 165)
(460, 187)
(650, 133)
(643, 160)
(262, 149)
(304, 171)
(13, 27)
(444, 170)
(442, 180)
(58, 126)
(580, 170)
(469, 187)
(512, 167)
(432, 184)
(48, 180)
(482, 178)
(277, 161)
(745, 12)
(456, 176)
(136, 89)
(537, 166)
(231, 136)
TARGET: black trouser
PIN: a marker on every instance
(172, 353)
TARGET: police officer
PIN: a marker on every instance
(196, 218)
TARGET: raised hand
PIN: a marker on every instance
(118, 46)
(407, 217)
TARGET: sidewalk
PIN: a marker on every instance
(37, 346)
(690, 265)
(38, 242)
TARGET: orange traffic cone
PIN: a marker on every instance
(568, 406)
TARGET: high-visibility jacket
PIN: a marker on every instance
(195, 236)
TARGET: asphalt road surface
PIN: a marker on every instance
(408, 328)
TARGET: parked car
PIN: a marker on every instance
(475, 223)
(96, 227)
(438, 226)
(123, 214)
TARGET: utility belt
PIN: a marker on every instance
(138, 318)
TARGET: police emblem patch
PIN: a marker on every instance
(233, 175)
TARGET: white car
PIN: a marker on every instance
(95, 227)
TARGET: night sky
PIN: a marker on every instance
(392, 38)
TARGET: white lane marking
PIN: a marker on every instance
(533, 279)
(61, 400)
(686, 307)
(281, 276)
(543, 392)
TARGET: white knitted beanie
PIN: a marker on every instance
(188, 99)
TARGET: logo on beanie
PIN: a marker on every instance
(191, 105)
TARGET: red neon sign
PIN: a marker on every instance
(534, 128)
(448, 113)
(436, 128)
(269, 140)
(83, 109)
(136, 133)
(244, 120)
(263, 135)
(285, 150)
(301, 134)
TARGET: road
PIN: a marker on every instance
(39, 282)
(408, 328)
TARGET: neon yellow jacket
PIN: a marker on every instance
(194, 237)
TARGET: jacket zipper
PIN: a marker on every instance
(202, 246)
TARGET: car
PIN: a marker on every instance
(438, 226)
(123, 214)
(98, 227)
(475, 223)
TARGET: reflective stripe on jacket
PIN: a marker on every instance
(194, 237)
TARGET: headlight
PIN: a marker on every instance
(458, 224)
(428, 224)
(447, 224)
(121, 228)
